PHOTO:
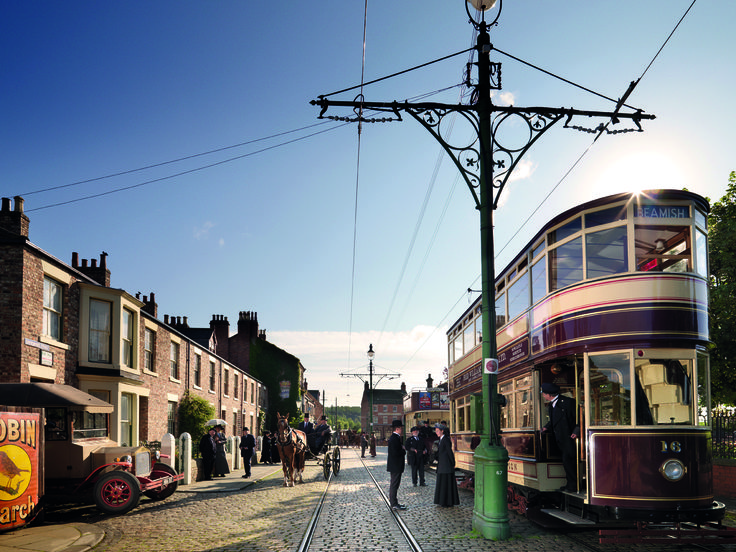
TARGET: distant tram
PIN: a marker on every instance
(610, 302)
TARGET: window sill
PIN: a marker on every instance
(48, 340)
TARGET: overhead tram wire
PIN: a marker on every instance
(161, 164)
(190, 171)
(357, 182)
(423, 209)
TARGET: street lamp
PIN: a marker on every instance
(371, 354)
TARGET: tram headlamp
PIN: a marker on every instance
(673, 470)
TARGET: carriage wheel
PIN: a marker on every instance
(336, 461)
(326, 465)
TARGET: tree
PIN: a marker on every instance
(194, 411)
(722, 256)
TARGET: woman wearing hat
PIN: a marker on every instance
(445, 490)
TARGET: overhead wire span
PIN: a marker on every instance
(177, 160)
(357, 182)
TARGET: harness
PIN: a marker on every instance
(290, 440)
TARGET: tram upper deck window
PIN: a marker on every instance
(566, 264)
(519, 295)
(606, 252)
(663, 248)
(565, 231)
(501, 318)
(664, 392)
(539, 280)
(605, 216)
(610, 389)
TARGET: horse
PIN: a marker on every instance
(292, 445)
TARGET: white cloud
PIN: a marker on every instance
(203, 231)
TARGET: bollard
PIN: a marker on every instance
(231, 450)
(168, 450)
(236, 451)
(186, 458)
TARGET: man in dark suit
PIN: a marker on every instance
(208, 450)
(247, 446)
(416, 450)
(562, 423)
(395, 464)
(306, 426)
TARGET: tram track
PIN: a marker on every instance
(313, 525)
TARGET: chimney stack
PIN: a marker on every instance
(15, 221)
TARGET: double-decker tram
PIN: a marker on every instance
(609, 302)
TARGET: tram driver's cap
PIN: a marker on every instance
(550, 388)
(397, 423)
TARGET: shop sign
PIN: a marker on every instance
(19, 467)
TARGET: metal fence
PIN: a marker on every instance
(724, 435)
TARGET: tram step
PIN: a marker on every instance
(567, 517)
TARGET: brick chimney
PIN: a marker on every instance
(248, 325)
(221, 328)
(15, 221)
(99, 274)
(150, 305)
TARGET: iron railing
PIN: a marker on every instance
(724, 435)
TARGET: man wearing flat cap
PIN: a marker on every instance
(395, 464)
(562, 424)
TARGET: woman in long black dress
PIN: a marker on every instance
(266, 448)
(445, 491)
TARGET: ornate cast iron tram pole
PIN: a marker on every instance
(486, 164)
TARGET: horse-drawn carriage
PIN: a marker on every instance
(295, 446)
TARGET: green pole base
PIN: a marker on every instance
(490, 511)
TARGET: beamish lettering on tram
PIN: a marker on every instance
(663, 211)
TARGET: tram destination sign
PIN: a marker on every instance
(662, 211)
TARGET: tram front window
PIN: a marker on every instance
(664, 392)
(610, 389)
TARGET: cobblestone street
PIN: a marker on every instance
(260, 515)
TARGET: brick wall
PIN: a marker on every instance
(724, 478)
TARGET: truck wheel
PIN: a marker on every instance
(160, 471)
(117, 492)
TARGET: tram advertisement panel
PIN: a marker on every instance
(19, 467)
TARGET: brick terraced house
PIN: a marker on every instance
(64, 323)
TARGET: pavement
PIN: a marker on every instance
(80, 537)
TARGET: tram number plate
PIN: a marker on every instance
(674, 446)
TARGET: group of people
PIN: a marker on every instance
(415, 451)
(317, 435)
(212, 449)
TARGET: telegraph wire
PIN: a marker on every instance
(190, 171)
(161, 164)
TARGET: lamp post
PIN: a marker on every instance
(371, 354)
(477, 162)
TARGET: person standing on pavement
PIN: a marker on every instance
(373, 445)
(266, 448)
(445, 491)
(247, 446)
(363, 444)
(221, 468)
(415, 453)
(395, 464)
(208, 449)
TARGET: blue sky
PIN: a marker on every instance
(91, 88)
